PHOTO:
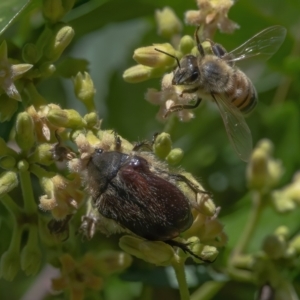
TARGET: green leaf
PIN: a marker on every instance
(11, 10)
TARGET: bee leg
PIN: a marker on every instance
(199, 46)
(179, 107)
(186, 249)
(189, 91)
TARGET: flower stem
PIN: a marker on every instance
(27, 192)
(178, 266)
(207, 290)
(250, 226)
(11, 206)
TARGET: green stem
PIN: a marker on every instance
(178, 266)
(207, 290)
(170, 124)
(11, 206)
(250, 226)
(27, 192)
(39, 172)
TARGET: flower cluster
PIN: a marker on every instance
(155, 61)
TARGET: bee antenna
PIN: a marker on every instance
(177, 60)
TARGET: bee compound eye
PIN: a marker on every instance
(194, 76)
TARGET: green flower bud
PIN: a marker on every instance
(42, 155)
(4, 150)
(19, 69)
(162, 145)
(9, 265)
(207, 253)
(158, 253)
(141, 73)
(31, 258)
(8, 107)
(167, 22)
(282, 231)
(58, 117)
(274, 246)
(68, 118)
(7, 162)
(25, 133)
(186, 44)
(47, 69)
(8, 181)
(23, 165)
(149, 57)
(112, 262)
(91, 120)
(75, 119)
(175, 156)
(282, 202)
(30, 53)
(53, 10)
(84, 89)
(62, 35)
(295, 244)
(263, 172)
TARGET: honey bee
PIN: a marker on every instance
(215, 77)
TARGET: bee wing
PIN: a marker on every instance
(262, 45)
(237, 129)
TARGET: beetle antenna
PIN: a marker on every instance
(177, 60)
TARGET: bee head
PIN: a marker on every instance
(187, 72)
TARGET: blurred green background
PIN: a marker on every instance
(106, 34)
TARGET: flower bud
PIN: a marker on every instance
(158, 253)
(47, 69)
(25, 134)
(42, 155)
(295, 244)
(175, 156)
(167, 22)
(186, 44)
(141, 73)
(9, 265)
(110, 262)
(8, 107)
(150, 57)
(91, 120)
(162, 145)
(31, 258)
(68, 118)
(23, 165)
(8, 181)
(263, 172)
(84, 89)
(53, 10)
(30, 53)
(207, 253)
(61, 37)
(282, 231)
(7, 162)
(19, 69)
(274, 246)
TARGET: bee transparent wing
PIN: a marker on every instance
(237, 129)
(262, 45)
